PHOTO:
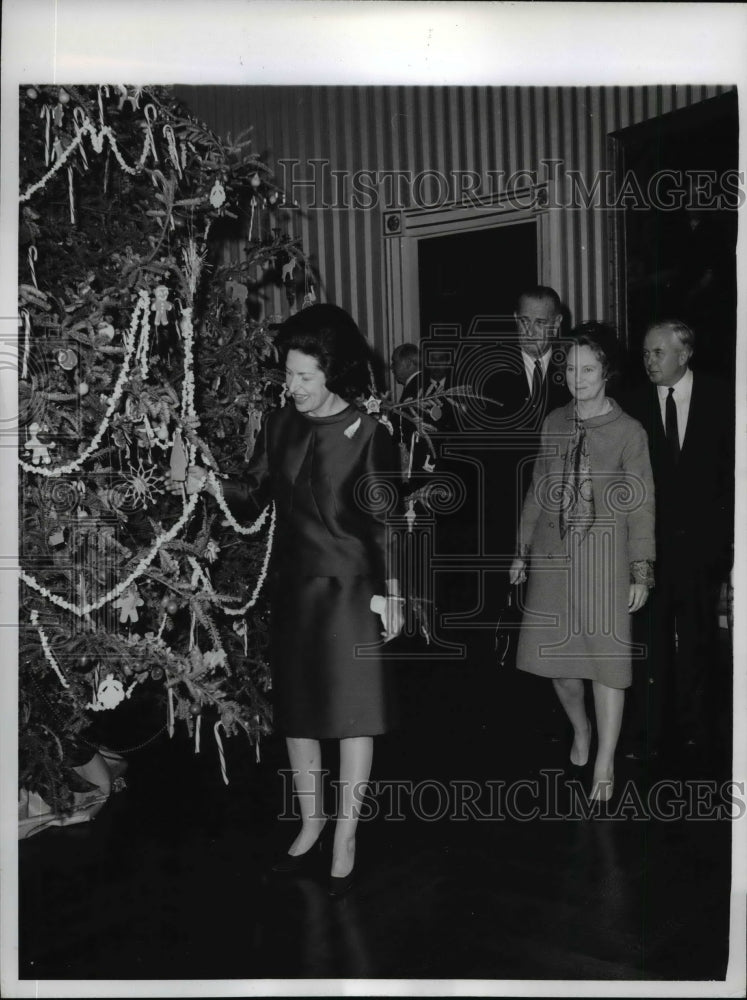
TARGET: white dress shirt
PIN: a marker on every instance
(529, 360)
(682, 394)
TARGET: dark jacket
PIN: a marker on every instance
(695, 496)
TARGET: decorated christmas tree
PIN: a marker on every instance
(139, 343)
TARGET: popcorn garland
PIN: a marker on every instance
(141, 567)
(47, 649)
(130, 340)
(265, 564)
(143, 307)
(97, 141)
(212, 479)
(188, 388)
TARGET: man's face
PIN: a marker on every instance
(664, 356)
(402, 368)
(538, 324)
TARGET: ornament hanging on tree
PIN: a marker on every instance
(161, 307)
(179, 459)
(57, 537)
(105, 332)
(217, 195)
(162, 432)
(39, 451)
(129, 602)
(67, 359)
(239, 627)
(140, 486)
(109, 693)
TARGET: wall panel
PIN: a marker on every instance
(416, 129)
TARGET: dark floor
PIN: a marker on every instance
(170, 881)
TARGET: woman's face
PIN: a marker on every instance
(307, 384)
(583, 373)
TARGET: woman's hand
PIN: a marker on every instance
(518, 571)
(194, 482)
(637, 596)
(393, 617)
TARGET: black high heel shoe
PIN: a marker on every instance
(340, 884)
(289, 864)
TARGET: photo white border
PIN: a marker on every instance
(245, 42)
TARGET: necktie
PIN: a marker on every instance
(670, 426)
(537, 383)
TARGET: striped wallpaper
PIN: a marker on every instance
(417, 129)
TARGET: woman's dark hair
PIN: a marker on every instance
(601, 339)
(330, 336)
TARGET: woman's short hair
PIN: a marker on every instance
(601, 339)
(331, 336)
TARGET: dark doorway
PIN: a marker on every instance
(476, 273)
(679, 256)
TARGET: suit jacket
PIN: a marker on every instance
(508, 385)
(695, 496)
(510, 424)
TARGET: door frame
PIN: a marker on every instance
(402, 231)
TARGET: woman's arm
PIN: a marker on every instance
(636, 464)
(245, 496)
(531, 509)
(382, 485)
(250, 494)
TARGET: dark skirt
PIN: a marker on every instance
(328, 677)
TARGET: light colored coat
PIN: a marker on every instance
(576, 621)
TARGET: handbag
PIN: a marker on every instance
(507, 628)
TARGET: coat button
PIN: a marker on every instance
(551, 524)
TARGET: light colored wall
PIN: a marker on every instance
(444, 129)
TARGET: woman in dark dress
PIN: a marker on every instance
(328, 467)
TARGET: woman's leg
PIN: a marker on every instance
(356, 755)
(570, 691)
(608, 703)
(305, 758)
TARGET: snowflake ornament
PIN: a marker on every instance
(140, 486)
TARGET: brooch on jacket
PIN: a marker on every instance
(350, 431)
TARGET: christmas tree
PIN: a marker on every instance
(139, 344)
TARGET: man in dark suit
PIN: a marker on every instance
(689, 420)
(526, 381)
